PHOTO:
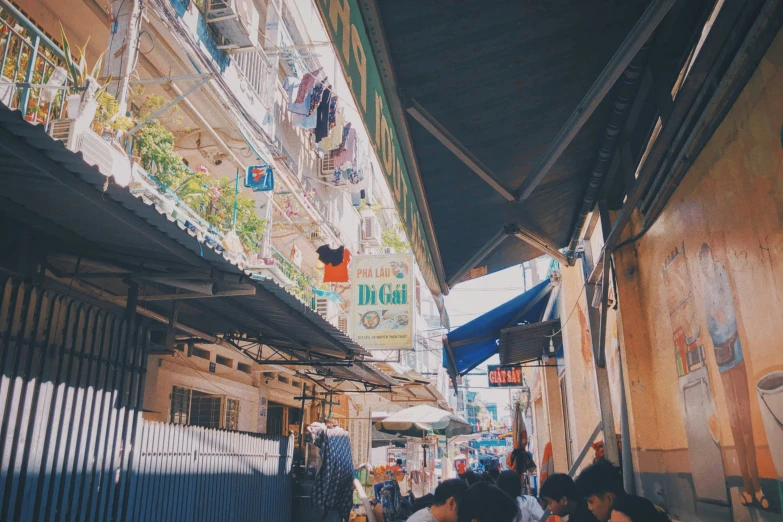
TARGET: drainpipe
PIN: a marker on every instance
(121, 55)
(626, 88)
(629, 481)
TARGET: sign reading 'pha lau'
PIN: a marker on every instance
(504, 376)
(382, 307)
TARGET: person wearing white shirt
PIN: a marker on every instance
(510, 483)
(447, 497)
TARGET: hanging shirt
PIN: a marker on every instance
(315, 97)
(333, 487)
(305, 86)
(338, 273)
(335, 137)
(347, 156)
(322, 115)
(330, 256)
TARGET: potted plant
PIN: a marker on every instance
(82, 105)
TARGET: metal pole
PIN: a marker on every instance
(236, 198)
(629, 482)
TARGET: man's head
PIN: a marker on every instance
(485, 503)
(560, 494)
(510, 483)
(448, 496)
(399, 462)
(471, 477)
(601, 484)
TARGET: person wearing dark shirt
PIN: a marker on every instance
(485, 503)
(631, 508)
(562, 499)
(601, 484)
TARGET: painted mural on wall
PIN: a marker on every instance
(722, 323)
(701, 423)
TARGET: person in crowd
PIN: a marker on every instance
(448, 496)
(562, 499)
(631, 508)
(471, 477)
(510, 484)
(494, 473)
(601, 484)
(488, 478)
(485, 503)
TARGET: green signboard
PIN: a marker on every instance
(343, 21)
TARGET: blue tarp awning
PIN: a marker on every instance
(473, 343)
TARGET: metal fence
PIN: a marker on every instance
(73, 445)
(191, 473)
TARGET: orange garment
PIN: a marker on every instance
(461, 467)
(339, 273)
(547, 464)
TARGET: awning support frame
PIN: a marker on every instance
(459, 150)
(641, 32)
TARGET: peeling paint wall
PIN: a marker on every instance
(700, 299)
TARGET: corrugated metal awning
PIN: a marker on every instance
(81, 213)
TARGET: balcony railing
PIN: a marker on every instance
(303, 285)
(254, 66)
(28, 59)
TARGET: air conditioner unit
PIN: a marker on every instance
(342, 323)
(63, 130)
(236, 21)
(371, 230)
(316, 234)
(327, 309)
(327, 165)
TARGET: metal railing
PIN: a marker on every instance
(255, 67)
(303, 285)
(28, 59)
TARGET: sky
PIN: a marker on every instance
(473, 298)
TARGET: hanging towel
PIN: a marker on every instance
(322, 115)
(338, 273)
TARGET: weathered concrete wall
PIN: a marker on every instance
(700, 296)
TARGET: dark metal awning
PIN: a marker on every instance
(528, 342)
(96, 239)
(513, 117)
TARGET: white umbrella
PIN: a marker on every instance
(413, 421)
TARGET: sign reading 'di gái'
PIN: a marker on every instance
(382, 304)
(504, 376)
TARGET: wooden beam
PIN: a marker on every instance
(196, 295)
(638, 36)
(458, 149)
(479, 256)
(535, 241)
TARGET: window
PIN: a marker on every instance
(282, 379)
(244, 368)
(198, 352)
(232, 414)
(194, 408)
(180, 405)
(205, 410)
(225, 361)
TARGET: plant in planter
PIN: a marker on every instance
(82, 105)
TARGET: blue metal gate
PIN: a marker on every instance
(73, 444)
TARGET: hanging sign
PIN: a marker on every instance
(382, 303)
(348, 33)
(504, 376)
(260, 178)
